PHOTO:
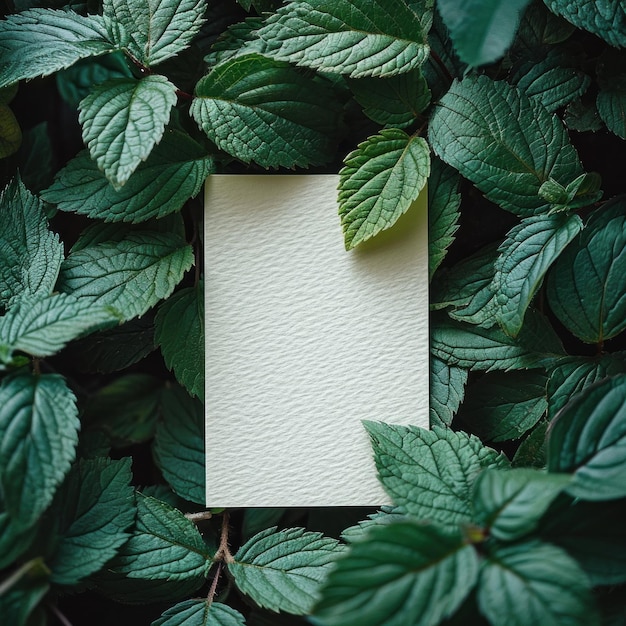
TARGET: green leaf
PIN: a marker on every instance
(10, 132)
(238, 39)
(527, 253)
(39, 42)
(122, 120)
(525, 584)
(481, 31)
(380, 181)
(256, 519)
(604, 18)
(160, 28)
(582, 116)
(174, 172)
(38, 436)
(283, 570)
(538, 31)
(30, 255)
(259, 110)
(404, 573)
(395, 101)
(164, 546)
(179, 444)
(588, 437)
(430, 474)
(15, 538)
(532, 451)
(510, 504)
(443, 212)
(586, 285)
(131, 275)
(89, 519)
(447, 388)
(387, 515)
(200, 613)
(507, 162)
(354, 37)
(179, 332)
(504, 405)
(35, 158)
(29, 586)
(611, 100)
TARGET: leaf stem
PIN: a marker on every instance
(8, 583)
(59, 615)
(213, 588)
(223, 552)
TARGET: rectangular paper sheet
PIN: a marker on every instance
(305, 340)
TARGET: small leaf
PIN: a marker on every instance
(403, 573)
(430, 474)
(38, 436)
(611, 100)
(447, 388)
(509, 504)
(200, 613)
(532, 451)
(582, 116)
(353, 37)
(131, 275)
(122, 120)
(588, 437)
(508, 163)
(380, 181)
(283, 570)
(10, 132)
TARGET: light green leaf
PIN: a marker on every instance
(604, 18)
(283, 570)
(611, 100)
(586, 286)
(379, 182)
(525, 584)
(507, 162)
(179, 332)
(179, 444)
(504, 405)
(39, 42)
(481, 31)
(430, 474)
(354, 37)
(30, 255)
(509, 504)
(447, 388)
(38, 436)
(443, 212)
(160, 28)
(122, 120)
(527, 253)
(174, 172)
(200, 613)
(403, 573)
(10, 132)
(259, 110)
(131, 275)
(588, 438)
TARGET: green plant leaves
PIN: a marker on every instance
(611, 100)
(200, 613)
(354, 37)
(122, 119)
(405, 573)
(508, 163)
(259, 110)
(38, 434)
(379, 182)
(283, 570)
(447, 384)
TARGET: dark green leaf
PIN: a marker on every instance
(582, 116)
(14, 537)
(200, 613)
(532, 451)
(29, 586)
(354, 37)
(404, 573)
(35, 158)
(447, 388)
(611, 100)
(507, 162)
(238, 39)
(256, 519)
(10, 132)
(538, 31)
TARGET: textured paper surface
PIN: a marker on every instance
(304, 340)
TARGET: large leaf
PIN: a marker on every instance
(587, 284)
(130, 275)
(611, 100)
(200, 613)
(430, 474)
(283, 570)
(30, 255)
(588, 437)
(506, 143)
(447, 388)
(527, 253)
(259, 110)
(481, 31)
(122, 119)
(39, 42)
(379, 182)
(160, 28)
(175, 171)
(38, 436)
(403, 573)
(354, 37)
(525, 584)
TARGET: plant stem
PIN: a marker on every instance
(199, 517)
(223, 553)
(59, 615)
